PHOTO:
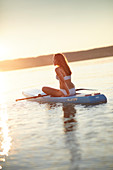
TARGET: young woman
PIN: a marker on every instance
(63, 74)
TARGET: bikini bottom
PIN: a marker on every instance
(71, 91)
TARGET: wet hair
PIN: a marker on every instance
(63, 63)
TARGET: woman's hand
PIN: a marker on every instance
(67, 95)
(63, 95)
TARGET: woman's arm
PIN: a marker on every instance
(66, 87)
(60, 75)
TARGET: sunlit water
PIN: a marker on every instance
(56, 137)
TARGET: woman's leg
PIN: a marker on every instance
(52, 91)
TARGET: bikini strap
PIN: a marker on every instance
(67, 77)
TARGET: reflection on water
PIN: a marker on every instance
(5, 139)
(69, 112)
(70, 126)
(69, 117)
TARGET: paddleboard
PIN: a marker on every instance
(87, 99)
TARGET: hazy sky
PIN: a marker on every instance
(35, 27)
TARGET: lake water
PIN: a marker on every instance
(56, 137)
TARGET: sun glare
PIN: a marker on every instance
(5, 143)
(2, 87)
(4, 130)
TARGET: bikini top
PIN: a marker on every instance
(65, 78)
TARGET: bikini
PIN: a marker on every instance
(65, 77)
(71, 91)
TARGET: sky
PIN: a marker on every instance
(30, 28)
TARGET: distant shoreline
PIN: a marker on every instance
(22, 63)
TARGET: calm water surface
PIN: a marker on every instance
(56, 137)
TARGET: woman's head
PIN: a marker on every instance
(61, 61)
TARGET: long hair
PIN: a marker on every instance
(63, 63)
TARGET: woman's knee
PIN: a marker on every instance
(44, 89)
